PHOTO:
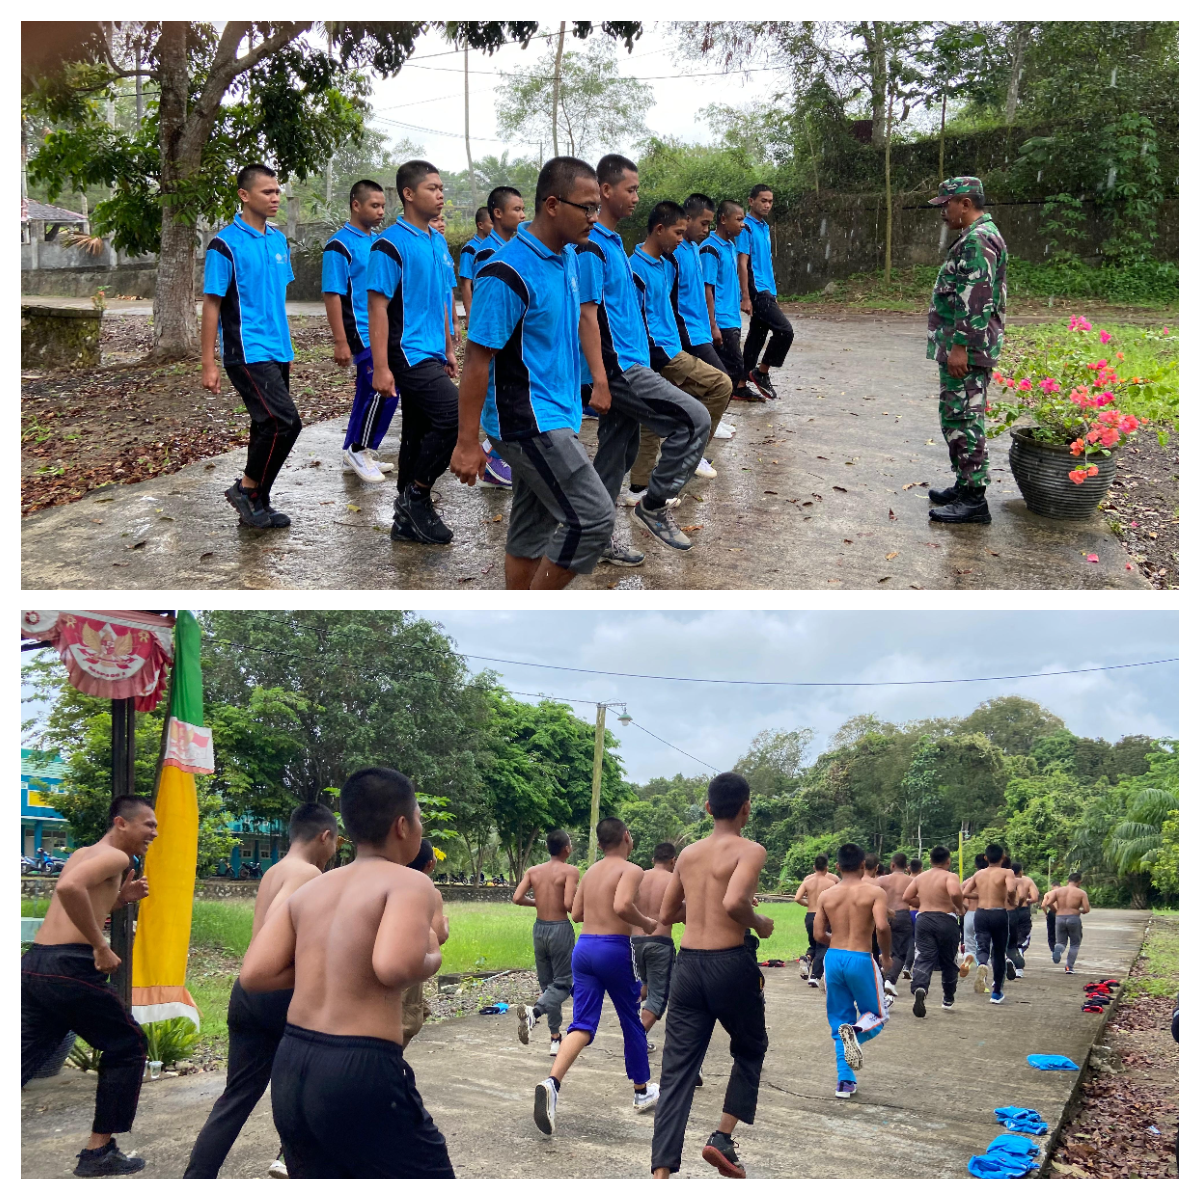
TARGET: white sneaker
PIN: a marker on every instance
(645, 1101)
(555, 1046)
(724, 429)
(525, 1023)
(704, 470)
(277, 1170)
(358, 462)
(629, 499)
(889, 987)
(1020, 973)
(545, 1101)
(381, 463)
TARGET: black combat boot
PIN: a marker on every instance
(970, 508)
(944, 495)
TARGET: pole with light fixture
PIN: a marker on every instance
(597, 762)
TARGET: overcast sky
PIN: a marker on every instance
(716, 722)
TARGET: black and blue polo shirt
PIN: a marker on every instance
(406, 265)
(755, 242)
(344, 272)
(691, 309)
(466, 257)
(606, 279)
(718, 259)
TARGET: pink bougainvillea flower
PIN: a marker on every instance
(1166, 329)
(1128, 424)
(1078, 446)
(1105, 337)
(1093, 558)
(1104, 398)
(1024, 386)
(1110, 437)
(998, 376)
(1093, 435)
(1077, 476)
(1010, 383)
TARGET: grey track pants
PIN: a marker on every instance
(1068, 929)
(553, 942)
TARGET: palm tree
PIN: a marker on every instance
(1133, 845)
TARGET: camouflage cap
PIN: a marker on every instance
(960, 185)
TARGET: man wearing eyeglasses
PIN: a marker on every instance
(625, 391)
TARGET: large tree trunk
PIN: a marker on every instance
(1019, 42)
(874, 34)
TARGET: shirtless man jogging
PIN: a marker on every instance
(894, 885)
(996, 887)
(257, 1020)
(654, 953)
(553, 884)
(808, 893)
(939, 901)
(350, 943)
(1069, 903)
(847, 916)
(606, 904)
(971, 900)
(716, 978)
(64, 983)
(1021, 930)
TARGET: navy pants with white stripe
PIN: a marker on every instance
(372, 413)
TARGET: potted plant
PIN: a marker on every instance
(1063, 458)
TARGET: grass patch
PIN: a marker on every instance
(222, 925)
(1159, 961)
(34, 906)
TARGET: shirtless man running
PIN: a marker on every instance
(716, 978)
(257, 1020)
(350, 942)
(654, 953)
(553, 884)
(1068, 904)
(939, 901)
(847, 917)
(971, 901)
(894, 885)
(1022, 916)
(64, 980)
(996, 888)
(808, 893)
(606, 904)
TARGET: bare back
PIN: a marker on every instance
(553, 883)
(1070, 901)
(893, 888)
(1027, 891)
(58, 929)
(936, 890)
(995, 886)
(705, 871)
(809, 891)
(852, 914)
(598, 897)
(650, 895)
(280, 881)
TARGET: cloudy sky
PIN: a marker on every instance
(715, 722)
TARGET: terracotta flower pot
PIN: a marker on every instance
(1042, 471)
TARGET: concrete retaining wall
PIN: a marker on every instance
(54, 338)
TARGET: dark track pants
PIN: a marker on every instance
(707, 352)
(816, 951)
(902, 943)
(1050, 930)
(1020, 931)
(371, 413)
(429, 421)
(767, 318)
(274, 422)
(937, 946)
(729, 350)
(991, 936)
(61, 990)
(256, 1024)
(708, 986)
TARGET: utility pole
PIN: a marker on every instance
(467, 133)
(942, 142)
(329, 164)
(562, 33)
(597, 763)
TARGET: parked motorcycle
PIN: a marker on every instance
(251, 870)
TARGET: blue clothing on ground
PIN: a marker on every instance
(466, 257)
(1010, 1143)
(691, 308)
(250, 271)
(606, 278)
(999, 1166)
(1051, 1062)
(1021, 1120)
(718, 260)
(603, 962)
(526, 307)
(655, 280)
(344, 272)
(407, 267)
(755, 241)
(853, 988)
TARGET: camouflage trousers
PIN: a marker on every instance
(961, 406)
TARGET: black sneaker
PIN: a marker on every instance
(763, 383)
(249, 505)
(919, 1002)
(414, 508)
(108, 1160)
(744, 393)
(970, 508)
(279, 520)
(720, 1151)
(944, 495)
(947, 1001)
(660, 523)
(1010, 970)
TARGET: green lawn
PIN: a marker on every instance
(1161, 951)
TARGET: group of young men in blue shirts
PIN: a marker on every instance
(561, 321)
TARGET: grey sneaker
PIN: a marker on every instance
(851, 1050)
(621, 556)
(660, 523)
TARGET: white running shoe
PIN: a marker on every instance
(889, 987)
(358, 462)
(545, 1101)
(555, 1046)
(645, 1101)
(277, 1170)
(381, 463)
(964, 967)
(724, 429)
(851, 1050)
(704, 470)
(1020, 973)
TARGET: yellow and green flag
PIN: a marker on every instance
(164, 922)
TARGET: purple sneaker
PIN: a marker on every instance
(845, 1089)
(497, 473)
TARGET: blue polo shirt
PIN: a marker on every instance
(606, 278)
(406, 266)
(526, 308)
(755, 240)
(492, 244)
(448, 264)
(344, 271)
(718, 261)
(466, 257)
(691, 308)
(655, 279)
(250, 271)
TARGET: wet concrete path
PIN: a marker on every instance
(823, 488)
(923, 1107)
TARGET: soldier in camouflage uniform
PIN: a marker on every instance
(966, 333)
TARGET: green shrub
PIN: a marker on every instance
(169, 1041)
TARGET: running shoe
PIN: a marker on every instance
(414, 508)
(1069, 970)
(660, 523)
(981, 979)
(744, 393)
(947, 1001)
(590, 414)
(525, 1023)
(845, 1089)
(1057, 955)
(1020, 973)
(813, 982)
(919, 1002)
(251, 511)
(497, 473)
(720, 1151)
(964, 967)
(545, 1101)
(851, 1050)
(108, 1160)
(277, 1170)
(889, 988)
(621, 556)
(805, 967)
(651, 1047)
(762, 381)
(645, 1101)
(724, 430)
(279, 520)
(381, 463)
(704, 470)
(905, 974)
(360, 462)
(997, 997)
(555, 1046)
(629, 498)
(1010, 970)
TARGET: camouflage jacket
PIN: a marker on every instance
(967, 308)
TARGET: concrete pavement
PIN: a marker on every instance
(924, 1104)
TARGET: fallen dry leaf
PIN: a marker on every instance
(848, 541)
(883, 579)
(497, 517)
(891, 515)
(806, 504)
(354, 507)
(893, 554)
(690, 528)
(993, 553)
(206, 554)
(836, 488)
